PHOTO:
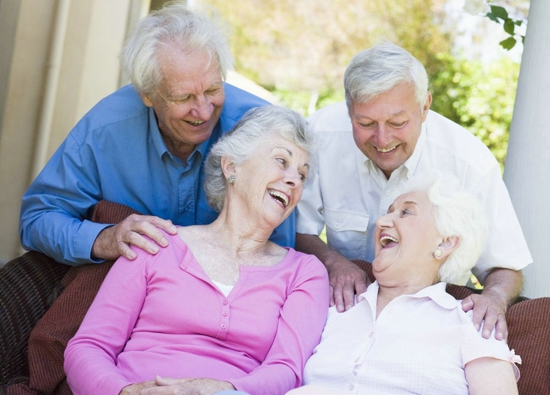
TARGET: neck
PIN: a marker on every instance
(180, 150)
(242, 237)
(388, 292)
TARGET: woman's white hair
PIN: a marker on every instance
(257, 125)
(182, 27)
(380, 68)
(457, 213)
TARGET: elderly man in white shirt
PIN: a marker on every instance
(407, 335)
(374, 143)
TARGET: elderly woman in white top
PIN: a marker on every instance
(407, 335)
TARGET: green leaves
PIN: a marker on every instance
(499, 14)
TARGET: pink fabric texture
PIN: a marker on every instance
(162, 315)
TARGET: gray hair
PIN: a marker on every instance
(193, 28)
(240, 143)
(457, 213)
(380, 68)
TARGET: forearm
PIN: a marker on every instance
(312, 244)
(58, 234)
(506, 284)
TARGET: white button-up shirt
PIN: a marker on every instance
(419, 344)
(349, 192)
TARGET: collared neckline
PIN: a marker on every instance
(436, 292)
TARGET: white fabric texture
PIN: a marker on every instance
(349, 192)
(418, 345)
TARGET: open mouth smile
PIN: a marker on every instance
(195, 123)
(388, 241)
(279, 196)
(385, 150)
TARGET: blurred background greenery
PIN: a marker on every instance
(299, 49)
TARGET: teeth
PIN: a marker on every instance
(279, 196)
(384, 150)
(196, 123)
(385, 240)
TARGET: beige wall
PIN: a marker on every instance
(31, 85)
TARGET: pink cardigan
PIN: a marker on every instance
(162, 315)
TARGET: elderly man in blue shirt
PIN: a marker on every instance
(142, 146)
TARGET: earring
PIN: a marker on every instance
(438, 253)
(231, 179)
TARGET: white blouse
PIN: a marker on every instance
(419, 344)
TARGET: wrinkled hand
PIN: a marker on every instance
(491, 309)
(187, 386)
(115, 241)
(135, 389)
(346, 280)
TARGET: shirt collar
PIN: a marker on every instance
(436, 292)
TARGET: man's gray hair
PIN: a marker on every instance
(182, 28)
(380, 68)
(457, 213)
(257, 125)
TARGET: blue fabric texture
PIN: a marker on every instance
(116, 153)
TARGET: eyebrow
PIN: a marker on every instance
(290, 154)
(406, 202)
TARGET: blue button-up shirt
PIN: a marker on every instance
(116, 153)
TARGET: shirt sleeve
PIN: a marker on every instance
(299, 330)
(474, 346)
(506, 246)
(285, 234)
(309, 212)
(91, 355)
(54, 208)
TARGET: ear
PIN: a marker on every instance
(228, 167)
(448, 246)
(426, 106)
(146, 100)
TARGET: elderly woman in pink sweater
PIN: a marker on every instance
(221, 307)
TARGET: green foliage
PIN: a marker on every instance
(499, 14)
(479, 97)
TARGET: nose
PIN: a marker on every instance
(382, 136)
(384, 222)
(293, 178)
(202, 108)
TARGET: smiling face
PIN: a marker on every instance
(387, 128)
(405, 240)
(270, 182)
(189, 100)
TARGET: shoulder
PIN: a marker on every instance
(306, 264)
(121, 111)
(173, 252)
(449, 142)
(331, 118)
(237, 103)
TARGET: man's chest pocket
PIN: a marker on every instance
(347, 232)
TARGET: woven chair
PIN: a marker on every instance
(28, 286)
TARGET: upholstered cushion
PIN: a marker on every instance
(529, 336)
(50, 336)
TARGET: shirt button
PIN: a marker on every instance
(225, 313)
(224, 302)
(371, 334)
(387, 192)
(224, 326)
(351, 387)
